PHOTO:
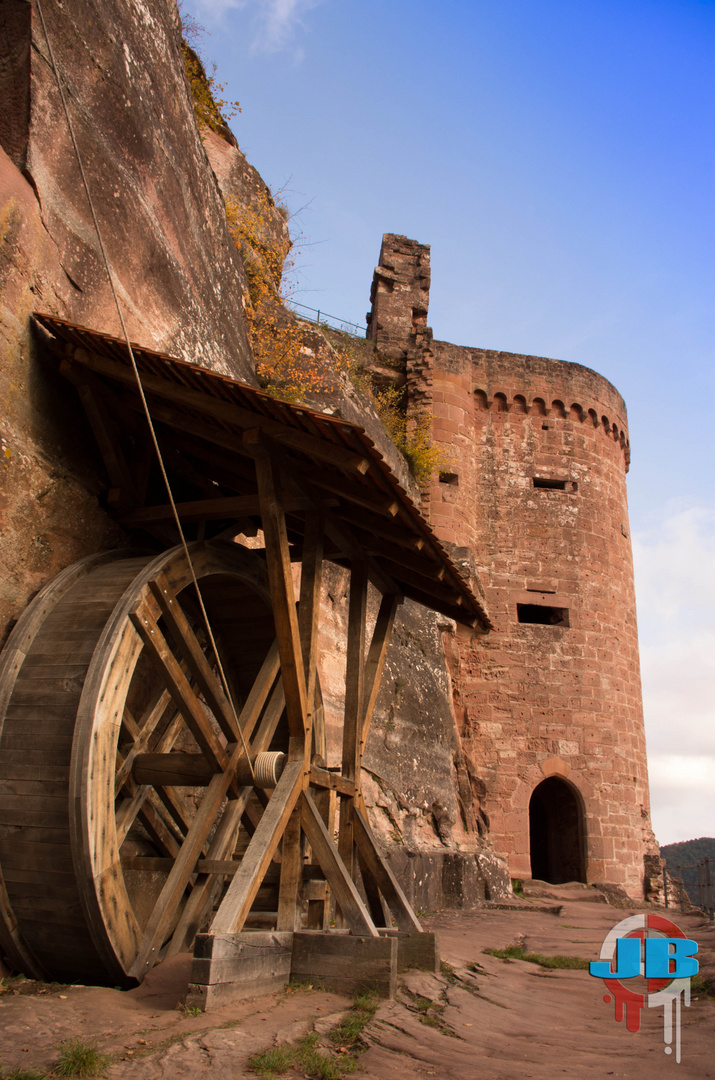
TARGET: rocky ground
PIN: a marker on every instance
(484, 1017)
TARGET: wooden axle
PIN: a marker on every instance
(194, 770)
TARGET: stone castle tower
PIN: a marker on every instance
(548, 706)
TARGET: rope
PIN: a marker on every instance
(140, 388)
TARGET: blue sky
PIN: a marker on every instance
(559, 158)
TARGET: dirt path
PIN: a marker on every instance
(487, 1020)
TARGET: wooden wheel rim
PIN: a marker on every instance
(95, 849)
(96, 854)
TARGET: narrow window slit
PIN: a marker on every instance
(542, 615)
(551, 484)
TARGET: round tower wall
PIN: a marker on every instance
(537, 491)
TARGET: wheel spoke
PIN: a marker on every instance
(166, 907)
(207, 886)
(157, 826)
(155, 722)
(199, 666)
(176, 807)
(180, 688)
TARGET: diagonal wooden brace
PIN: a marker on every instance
(348, 898)
(241, 893)
(382, 875)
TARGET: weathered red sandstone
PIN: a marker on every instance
(465, 728)
(537, 498)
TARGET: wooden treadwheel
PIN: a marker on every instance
(121, 804)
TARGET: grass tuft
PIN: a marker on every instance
(189, 1010)
(306, 1054)
(518, 952)
(78, 1058)
(272, 1063)
(316, 1064)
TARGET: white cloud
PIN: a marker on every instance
(682, 795)
(275, 22)
(675, 587)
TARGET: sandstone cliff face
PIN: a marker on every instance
(178, 274)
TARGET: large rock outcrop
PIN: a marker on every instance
(179, 277)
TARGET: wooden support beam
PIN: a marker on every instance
(216, 509)
(453, 611)
(309, 608)
(91, 393)
(383, 528)
(382, 875)
(441, 590)
(420, 564)
(291, 874)
(376, 661)
(354, 705)
(355, 671)
(365, 495)
(379, 910)
(280, 577)
(319, 907)
(332, 781)
(236, 904)
(227, 412)
(346, 895)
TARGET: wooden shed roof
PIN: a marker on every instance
(325, 455)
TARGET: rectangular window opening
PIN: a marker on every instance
(542, 615)
(551, 484)
(547, 482)
(449, 478)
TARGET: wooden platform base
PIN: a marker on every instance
(415, 950)
(230, 967)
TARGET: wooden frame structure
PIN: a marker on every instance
(317, 489)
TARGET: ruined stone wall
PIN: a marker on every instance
(537, 496)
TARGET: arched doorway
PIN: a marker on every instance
(556, 832)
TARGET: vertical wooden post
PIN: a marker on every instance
(309, 608)
(291, 874)
(282, 596)
(354, 708)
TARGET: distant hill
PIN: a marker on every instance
(687, 854)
